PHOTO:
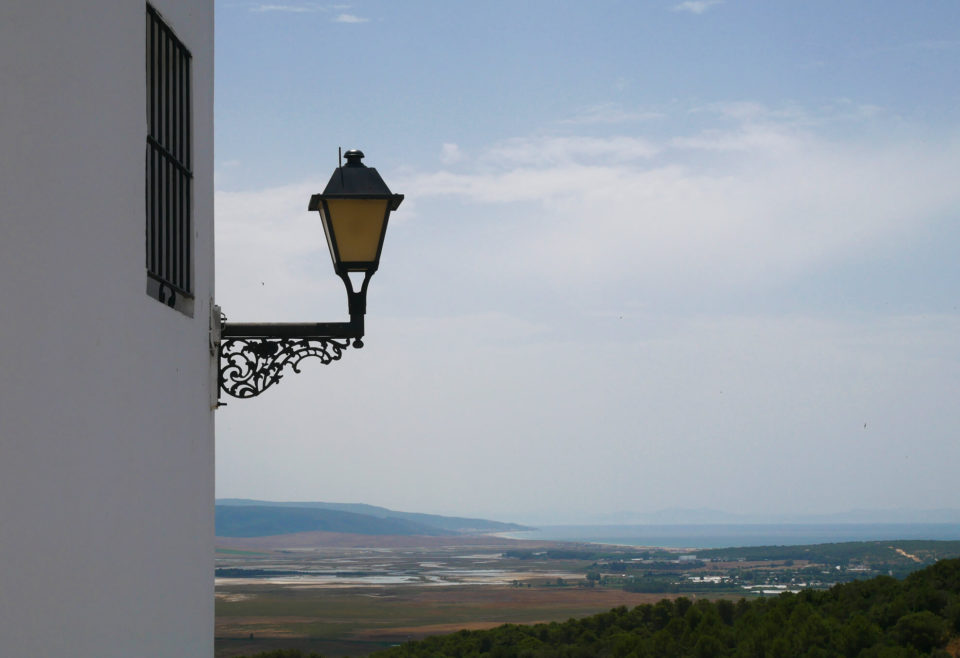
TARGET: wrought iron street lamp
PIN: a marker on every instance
(354, 210)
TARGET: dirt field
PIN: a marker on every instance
(351, 622)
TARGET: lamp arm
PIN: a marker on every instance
(356, 299)
(253, 355)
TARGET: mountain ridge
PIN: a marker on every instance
(243, 517)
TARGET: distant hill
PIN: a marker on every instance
(263, 521)
(237, 517)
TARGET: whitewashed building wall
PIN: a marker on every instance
(106, 423)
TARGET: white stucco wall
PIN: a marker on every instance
(106, 428)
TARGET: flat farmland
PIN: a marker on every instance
(356, 621)
(352, 601)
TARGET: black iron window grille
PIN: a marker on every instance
(169, 183)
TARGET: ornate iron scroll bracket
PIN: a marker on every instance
(249, 366)
(255, 356)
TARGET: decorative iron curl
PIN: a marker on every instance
(249, 366)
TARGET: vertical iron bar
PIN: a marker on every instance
(167, 248)
(184, 228)
(174, 221)
(189, 122)
(150, 60)
(146, 206)
(172, 97)
(188, 161)
(161, 210)
(150, 226)
(174, 81)
(151, 197)
(162, 218)
(157, 209)
(148, 184)
(175, 231)
(161, 140)
(161, 47)
(178, 106)
(189, 241)
(182, 231)
(183, 104)
(178, 175)
(166, 92)
(153, 210)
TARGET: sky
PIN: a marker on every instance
(653, 254)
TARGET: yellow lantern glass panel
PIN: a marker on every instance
(357, 225)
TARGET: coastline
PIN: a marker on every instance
(727, 535)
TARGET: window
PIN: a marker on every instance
(169, 183)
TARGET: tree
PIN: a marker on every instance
(922, 630)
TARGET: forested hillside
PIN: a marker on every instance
(878, 618)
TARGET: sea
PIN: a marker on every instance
(735, 535)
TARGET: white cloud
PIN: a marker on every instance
(309, 8)
(696, 6)
(757, 137)
(754, 206)
(751, 206)
(746, 113)
(740, 110)
(546, 151)
(298, 9)
(450, 153)
(609, 113)
(349, 18)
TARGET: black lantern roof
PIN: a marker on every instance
(356, 180)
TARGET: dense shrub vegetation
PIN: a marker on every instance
(286, 653)
(878, 618)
